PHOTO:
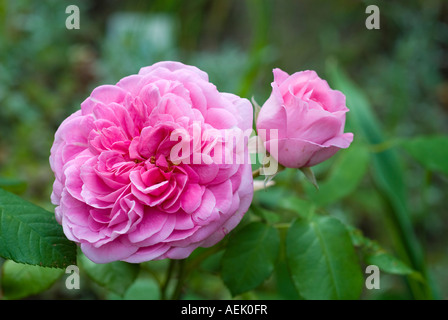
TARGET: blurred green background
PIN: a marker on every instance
(46, 71)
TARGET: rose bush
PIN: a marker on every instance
(309, 117)
(120, 195)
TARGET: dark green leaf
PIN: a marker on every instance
(322, 260)
(21, 280)
(250, 257)
(31, 235)
(285, 286)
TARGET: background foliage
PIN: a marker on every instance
(382, 201)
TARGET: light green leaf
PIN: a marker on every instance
(304, 208)
(29, 234)
(265, 214)
(322, 260)
(390, 264)
(250, 257)
(144, 288)
(348, 170)
(115, 276)
(430, 151)
(374, 254)
(21, 280)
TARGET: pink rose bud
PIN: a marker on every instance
(309, 117)
(119, 192)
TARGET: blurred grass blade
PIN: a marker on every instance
(388, 176)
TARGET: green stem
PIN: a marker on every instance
(1, 273)
(181, 276)
(284, 225)
(256, 173)
(193, 264)
(426, 190)
(410, 250)
(151, 272)
(167, 279)
(187, 267)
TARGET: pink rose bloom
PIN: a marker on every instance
(118, 193)
(309, 116)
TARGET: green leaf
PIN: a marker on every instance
(21, 280)
(31, 235)
(356, 236)
(388, 263)
(144, 288)
(322, 260)
(265, 214)
(304, 208)
(430, 151)
(346, 175)
(115, 276)
(250, 257)
(374, 254)
(285, 286)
